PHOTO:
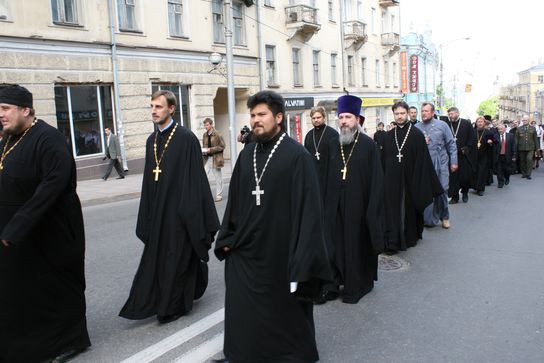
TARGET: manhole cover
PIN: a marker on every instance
(392, 263)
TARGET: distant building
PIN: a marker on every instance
(525, 97)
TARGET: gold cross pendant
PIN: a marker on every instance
(157, 171)
(344, 172)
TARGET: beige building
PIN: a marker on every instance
(92, 64)
(525, 97)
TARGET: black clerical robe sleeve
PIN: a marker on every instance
(142, 224)
(230, 218)
(375, 213)
(308, 260)
(54, 168)
(196, 210)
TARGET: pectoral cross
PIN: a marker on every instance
(317, 154)
(157, 171)
(257, 193)
(344, 172)
(399, 156)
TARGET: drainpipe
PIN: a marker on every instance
(262, 51)
(117, 101)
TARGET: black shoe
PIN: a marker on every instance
(523, 177)
(222, 360)
(325, 296)
(104, 178)
(465, 197)
(480, 193)
(390, 252)
(120, 177)
(454, 201)
(68, 355)
(169, 318)
(507, 181)
(500, 185)
(529, 177)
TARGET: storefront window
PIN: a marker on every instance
(82, 113)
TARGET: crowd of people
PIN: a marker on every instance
(304, 224)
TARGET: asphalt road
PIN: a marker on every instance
(474, 293)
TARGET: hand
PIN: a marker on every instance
(490, 141)
(226, 249)
(514, 160)
(454, 168)
(5, 243)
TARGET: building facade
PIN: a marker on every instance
(92, 64)
(524, 97)
(419, 67)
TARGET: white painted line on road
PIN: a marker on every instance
(204, 351)
(177, 339)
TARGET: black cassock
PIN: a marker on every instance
(379, 139)
(278, 242)
(326, 134)
(484, 158)
(410, 186)
(177, 221)
(42, 282)
(466, 155)
(355, 216)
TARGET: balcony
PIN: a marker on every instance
(301, 19)
(388, 3)
(355, 34)
(391, 41)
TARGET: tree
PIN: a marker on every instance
(489, 107)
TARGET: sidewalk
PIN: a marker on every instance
(98, 191)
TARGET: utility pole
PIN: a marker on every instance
(230, 82)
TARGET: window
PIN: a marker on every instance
(83, 111)
(315, 63)
(64, 11)
(350, 70)
(269, 3)
(540, 79)
(297, 79)
(346, 10)
(364, 67)
(360, 15)
(373, 20)
(392, 23)
(217, 14)
(334, 81)
(330, 6)
(271, 64)
(238, 16)
(386, 72)
(126, 11)
(175, 17)
(4, 10)
(383, 22)
(395, 76)
(181, 116)
(377, 73)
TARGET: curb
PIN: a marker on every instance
(111, 199)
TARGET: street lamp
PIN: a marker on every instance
(442, 45)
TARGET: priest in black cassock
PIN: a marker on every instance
(272, 241)
(379, 137)
(318, 139)
(177, 221)
(42, 249)
(411, 182)
(465, 138)
(354, 207)
(485, 143)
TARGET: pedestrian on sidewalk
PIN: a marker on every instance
(113, 154)
(177, 221)
(527, 143)
(272, 241)
(443, 152)
(212, 151)
(42, 249)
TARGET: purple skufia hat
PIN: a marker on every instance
(350, 104)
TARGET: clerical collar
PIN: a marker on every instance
(167, 127)
(319, 128)
(401, 126)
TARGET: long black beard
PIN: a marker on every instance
(262, 138)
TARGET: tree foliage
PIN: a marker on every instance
(489, 107)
